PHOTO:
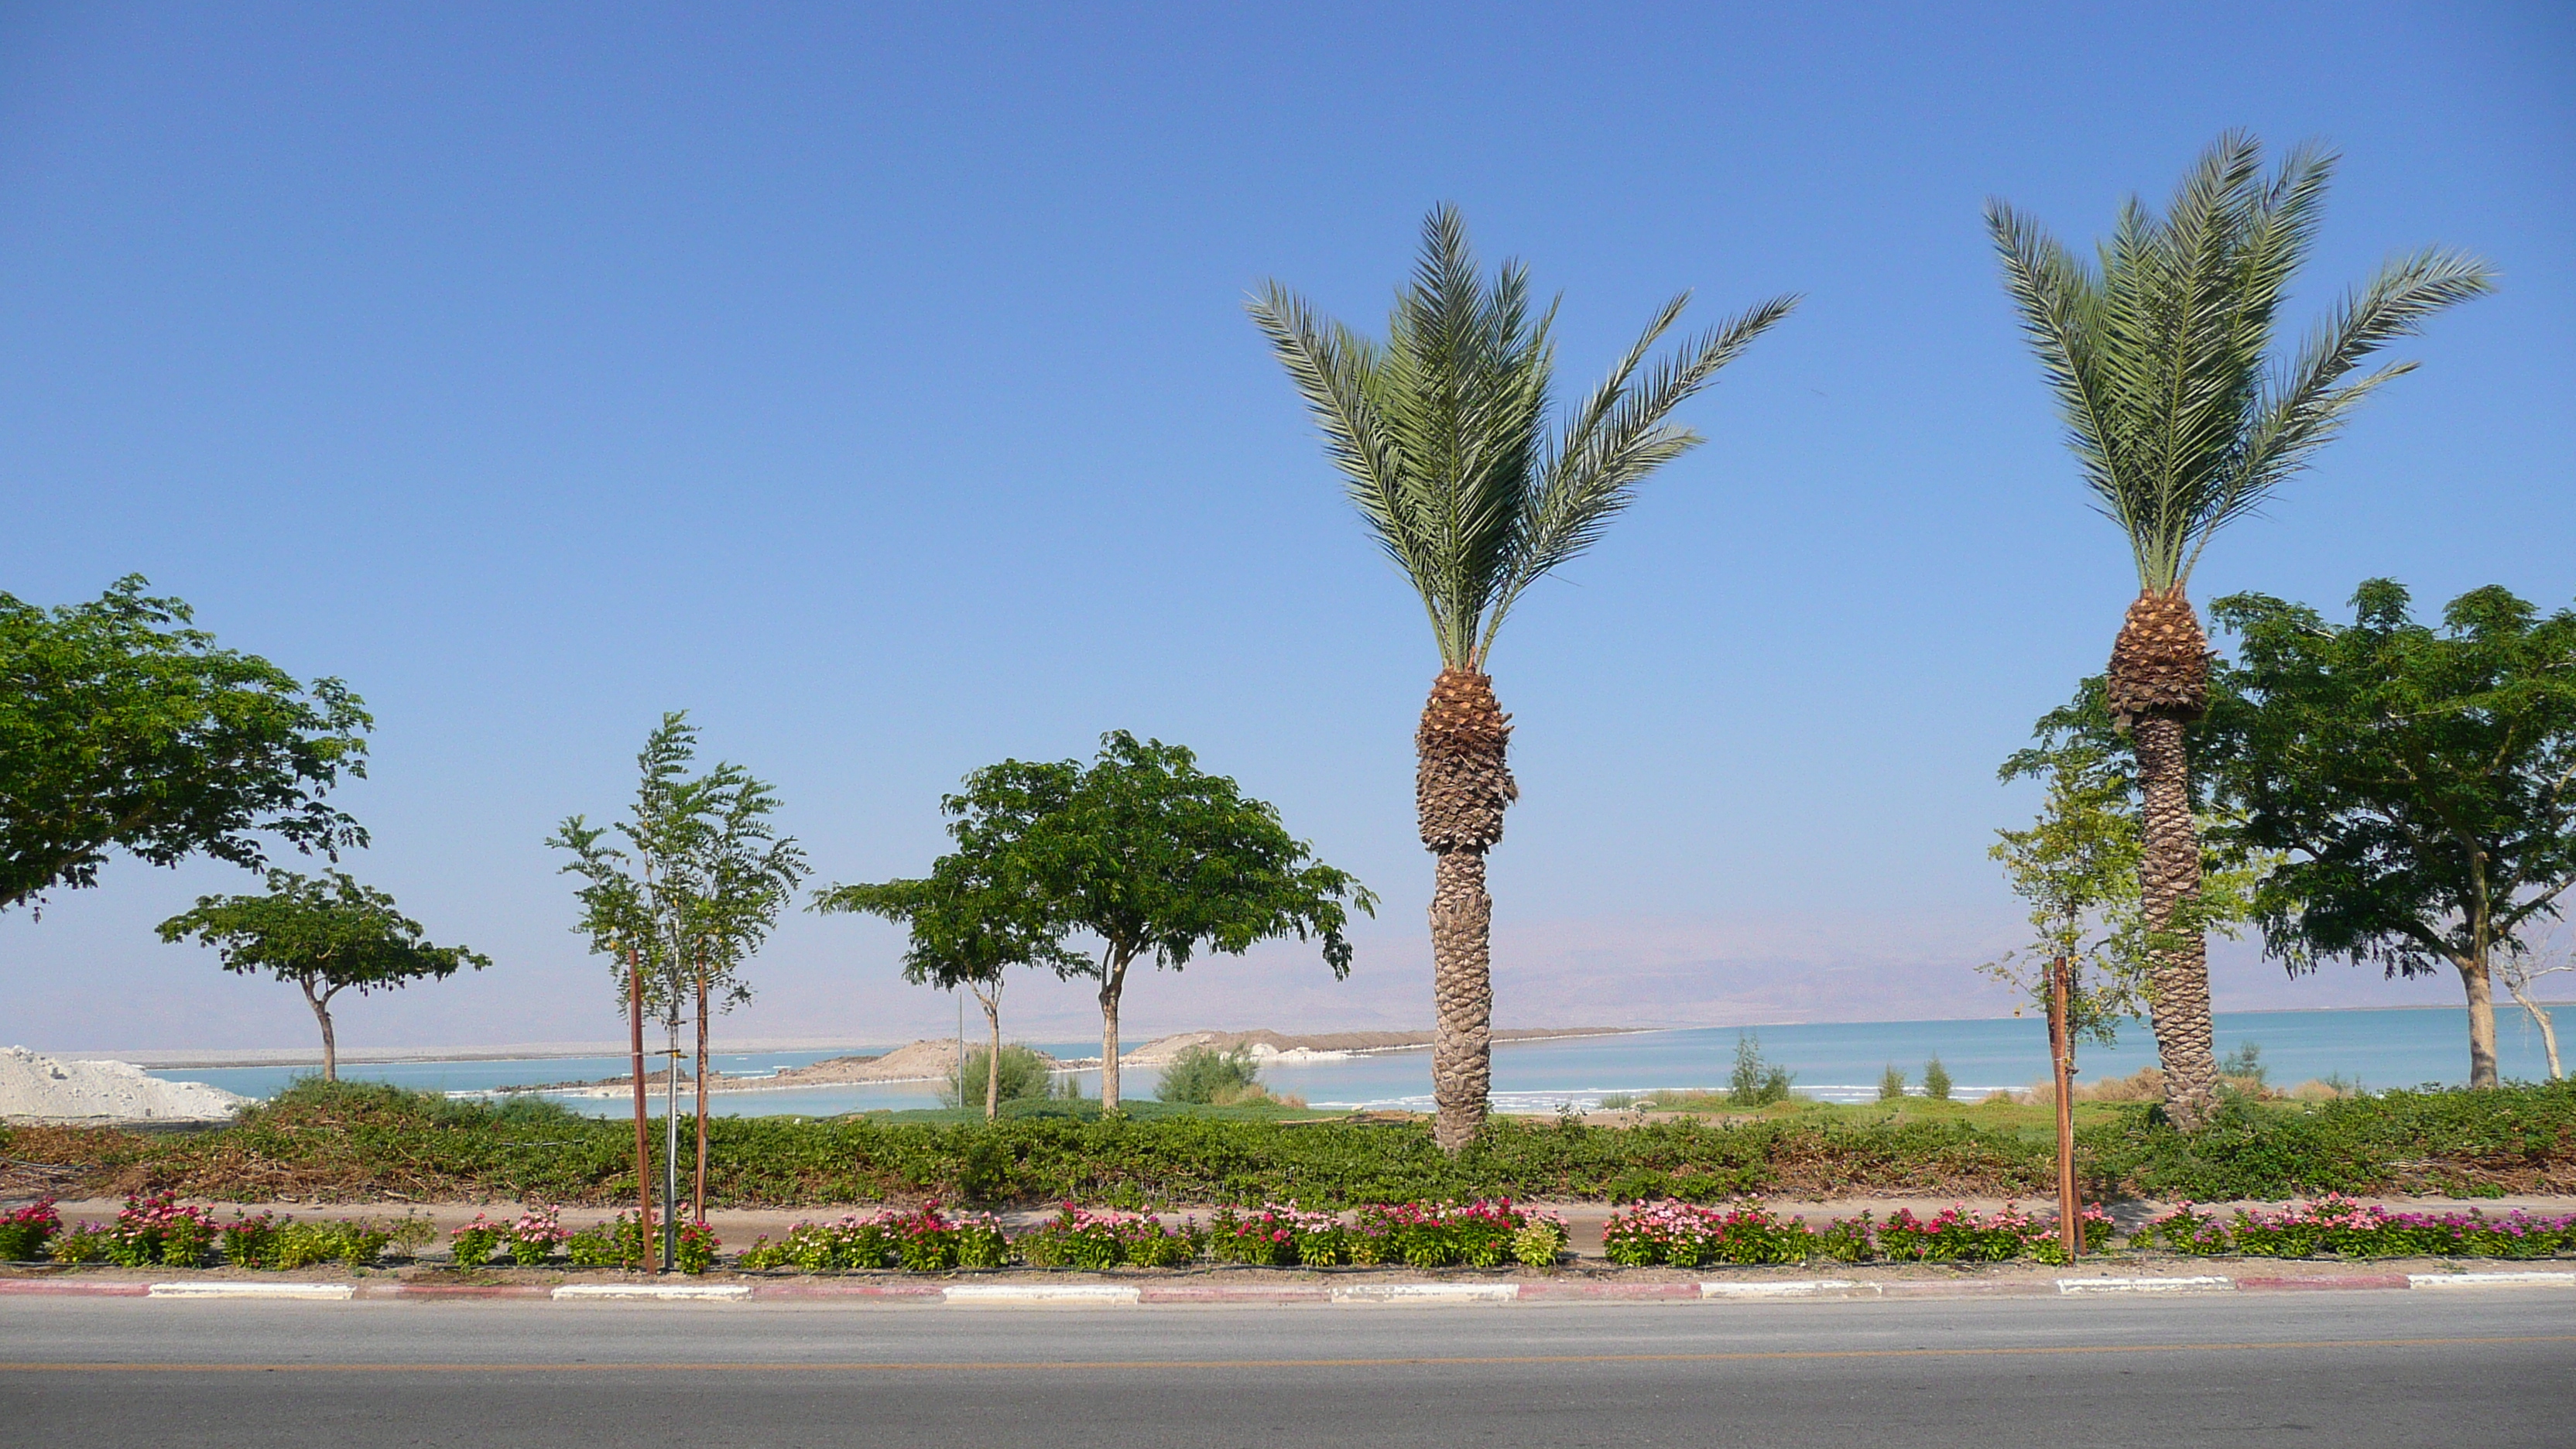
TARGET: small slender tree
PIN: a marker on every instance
(737, 877)
(326, 936)
(2422, 782)
(683, 903)
(971, 920)
(2183, 423)
(1443, 438)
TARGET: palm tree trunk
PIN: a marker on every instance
(1462, 990)
(1462, 783)
(2167, 877)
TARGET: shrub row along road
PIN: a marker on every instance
(2377, 1368)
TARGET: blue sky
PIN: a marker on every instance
(876, 387)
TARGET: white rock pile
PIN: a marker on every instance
(40, 1089)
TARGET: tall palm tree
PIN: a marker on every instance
(1443, 437)
(2183, 422)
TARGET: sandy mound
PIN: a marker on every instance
(41, 1089)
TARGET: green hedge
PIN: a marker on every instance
(361, 1140)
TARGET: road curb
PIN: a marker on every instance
(1426, 1293)
(71, 1288)
(889, 1292)
(1966, 1288)
(662, 1292)
(2322, 1283)
(1609, 1292)
(1790, 1288)
(2491, 1280)
(236, 1288)
(1202, 1293)
(1025, 1294)
(435, 1292)
(2204, 1283)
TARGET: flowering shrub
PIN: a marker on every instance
(617, 1243)
(84, 1244)
(25, 1231)
(1277, 1235)
(851, 1242)
(1956, 1235)
(2184, 1230)
(2337, 1224)
(250, 1242)
(1686, 1235)
(929, 1241)
(269, 1241)
(1482, 1234)
(535, 1236)
(474, 1243)
(157, 1230)
(924, 1240)
(1080, 1238)
(693, 1252)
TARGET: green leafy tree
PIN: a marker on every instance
(2421, 780)
(2183, 422)
(2077, 868)
(1443, 436)
(121, 728)
(1155, 858)
(327, 936)
(983, 908)
(1936, 1081)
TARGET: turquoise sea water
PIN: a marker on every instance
(1836, 1061)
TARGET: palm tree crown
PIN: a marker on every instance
(1441, 431)
(2158, 354)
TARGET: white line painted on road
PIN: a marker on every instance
(1041, 1293)
(2145, 1285)
(1800, 1288)
(219, 1288)
(672, 1292)
(1427, 1293)
(2491, 1280)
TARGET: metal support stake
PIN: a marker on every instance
(2061, 1049)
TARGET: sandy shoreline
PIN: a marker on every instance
(932, 1060)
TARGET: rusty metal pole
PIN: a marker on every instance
(699, 1203)
(2061, 1047)
(643, 1135)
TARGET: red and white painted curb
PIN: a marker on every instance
(1116, 1295)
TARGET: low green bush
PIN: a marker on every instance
(362, 1140)
(1024, 1077)
(1205, 1076)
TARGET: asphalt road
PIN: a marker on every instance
(2356, 1370)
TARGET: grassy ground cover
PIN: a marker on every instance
(364, 1141)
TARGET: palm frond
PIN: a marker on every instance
(1623, 434)
(2159, 354)
(1440, 431)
